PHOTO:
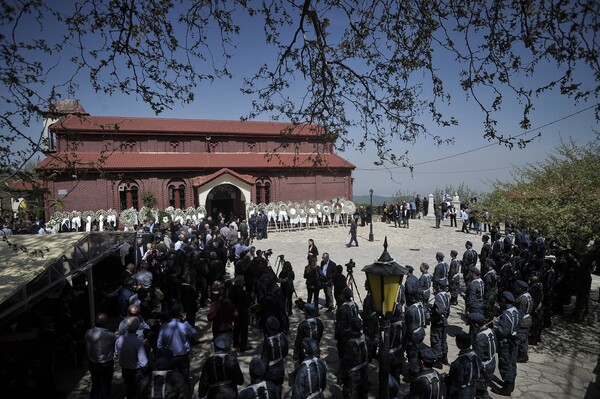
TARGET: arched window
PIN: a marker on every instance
(177, 195)
(267, 192)
(128, 196)
(263, 190)
(259, 188)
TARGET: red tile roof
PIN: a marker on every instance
(201, 180)
(27, 185)
(127, 124)
(191, 161)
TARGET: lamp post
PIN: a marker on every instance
(371, 228)
(384, 278)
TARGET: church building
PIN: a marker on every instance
(110, 162)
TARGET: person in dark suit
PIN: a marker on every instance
(312, 248)
(326, 273)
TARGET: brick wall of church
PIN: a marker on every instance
(94, 193)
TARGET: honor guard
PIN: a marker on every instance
(221, 373)
(259, 388)
(506, 331)
(310, 378)
(311, 327)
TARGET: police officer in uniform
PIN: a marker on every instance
(440, 272)
(536, 290)
(370, 320)
(440, 310)
(465, 370)
(524, 303)
(353, 366)
(429, 383)
(508, 274)
(412, 284)
(486, 249)
(485, 348)
(274, 351)
(474, 293)
(417, 318)
(344, 315)
(454, 278)
(506, 331)
(310, 378)
(311, 327)
(259, 388)
(490, 288)
(397, 342)
(221, 373)
(469, 261)
(424, 285)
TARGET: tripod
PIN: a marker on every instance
(350, 282)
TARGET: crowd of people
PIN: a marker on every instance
(509, 299)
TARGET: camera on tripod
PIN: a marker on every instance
(350, 266)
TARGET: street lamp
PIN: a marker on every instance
(384, 278)
(371, 229)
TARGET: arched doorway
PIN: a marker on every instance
(226, 199)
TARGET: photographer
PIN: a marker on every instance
(286, 280)
(339, 283)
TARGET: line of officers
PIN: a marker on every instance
(422, 302)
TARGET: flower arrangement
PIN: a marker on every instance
(190, 213)
(87, 214)
(111, 216)
(201, 211)
(349, 207)
(129, 218)
(55, 220)
(179, 215)
(164, 219)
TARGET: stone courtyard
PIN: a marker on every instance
(564, 365)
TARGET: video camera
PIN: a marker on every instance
(349, 266)
(268, 253)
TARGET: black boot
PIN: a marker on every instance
(505, 390)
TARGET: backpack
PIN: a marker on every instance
(260, 390)
(158, 387)
(436, 382)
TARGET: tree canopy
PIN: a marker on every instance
(372, 66)
(559, 196)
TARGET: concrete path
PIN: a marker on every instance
(564, 365)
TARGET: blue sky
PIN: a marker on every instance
(224, 100)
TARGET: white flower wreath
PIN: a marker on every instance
(87, 214)
(129, 218)
(56, 219)
(201, 211)
(337, 208)
(349, 207)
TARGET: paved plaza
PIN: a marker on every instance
(564, 365)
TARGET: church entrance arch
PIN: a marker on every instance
(224, 191)
(226, 199)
